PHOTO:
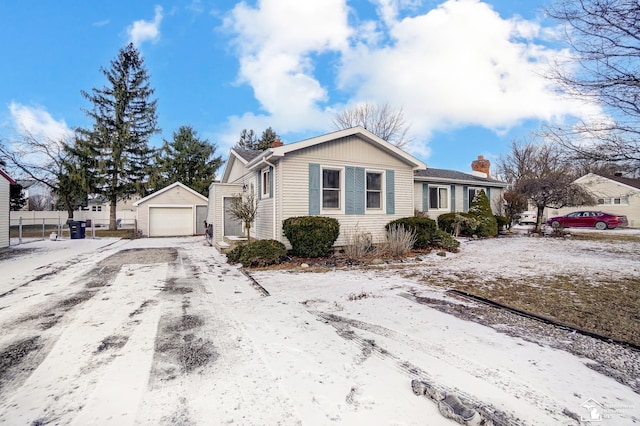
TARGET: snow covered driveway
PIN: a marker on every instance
(163, 331)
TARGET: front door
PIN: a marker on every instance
(232, 225)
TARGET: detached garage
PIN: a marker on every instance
(174, 211)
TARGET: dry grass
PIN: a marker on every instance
(608, 307)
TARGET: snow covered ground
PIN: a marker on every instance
(164, 331)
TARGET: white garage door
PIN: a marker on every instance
(170, 221)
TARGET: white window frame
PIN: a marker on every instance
(469, 199)
(265, 187)
(341, 188)
(447, 198)
(383, 189)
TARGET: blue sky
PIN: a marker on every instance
(467, 73)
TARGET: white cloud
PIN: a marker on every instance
(101, 23)
(38, 122)
(276, 42)
(141, 31)
(459, 64)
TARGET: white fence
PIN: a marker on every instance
(40, 224)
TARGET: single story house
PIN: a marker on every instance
(614, 194)
(5, 197)
(175, 210)
(351, 175)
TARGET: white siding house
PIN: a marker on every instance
(351, 175)
(5, 183)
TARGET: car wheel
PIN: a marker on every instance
(555, 224)
(601, 226)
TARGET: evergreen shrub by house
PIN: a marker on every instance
(423, 228)
(481, 209)
(445, 241)
(458, 222)
(311, 236)
(258, 253)
(502, 221)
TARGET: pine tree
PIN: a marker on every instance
(189, 160)
(267, 139)
(16, 197)
(248, 140)
(124, 118)
(481, 209)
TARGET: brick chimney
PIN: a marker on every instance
(276, 143)
(481, 165)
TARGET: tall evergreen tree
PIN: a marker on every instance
(187, 159)
(267, 139)
(16, 197)
(124, 118)
(248, 140)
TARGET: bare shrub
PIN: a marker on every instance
(358, 243)
(399, 240)
(359, 296)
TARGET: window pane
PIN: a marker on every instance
(330, 199)
(374, 181)
(433, 198)
(444, 198)
(373, 200)
(331, 179)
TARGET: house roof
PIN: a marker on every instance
(236, 154)
(7, 177)
(452, 176)
(635, 183)
(629, 182)
(363, 133)
(168, 188)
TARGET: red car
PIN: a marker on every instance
(588, 219)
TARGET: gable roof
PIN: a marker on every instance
(7, 177)
(363, 133)
(634, 183)
(244, 156)
(629, 182)
(168, 188)
(452, 176)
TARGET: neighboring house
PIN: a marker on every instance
(351, 175)
(5, 183)
(98, 210)
(614, 194)
(439, 191)
(175, 210)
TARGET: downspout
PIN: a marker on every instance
(273, 215)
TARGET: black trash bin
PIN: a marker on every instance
(77, 229)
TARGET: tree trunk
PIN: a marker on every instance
(248, 226)
(112, 216)
(540, 211)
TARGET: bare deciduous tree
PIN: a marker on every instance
(382, 120)
(244, 208)
(604, 38)
(539, 173)
(48, 162)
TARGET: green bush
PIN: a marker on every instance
(481, 209)
(423, 228)
(311, 236)
(445, 241)
(258, 253)
(458, 223)
(502, 221)
(234, 255)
